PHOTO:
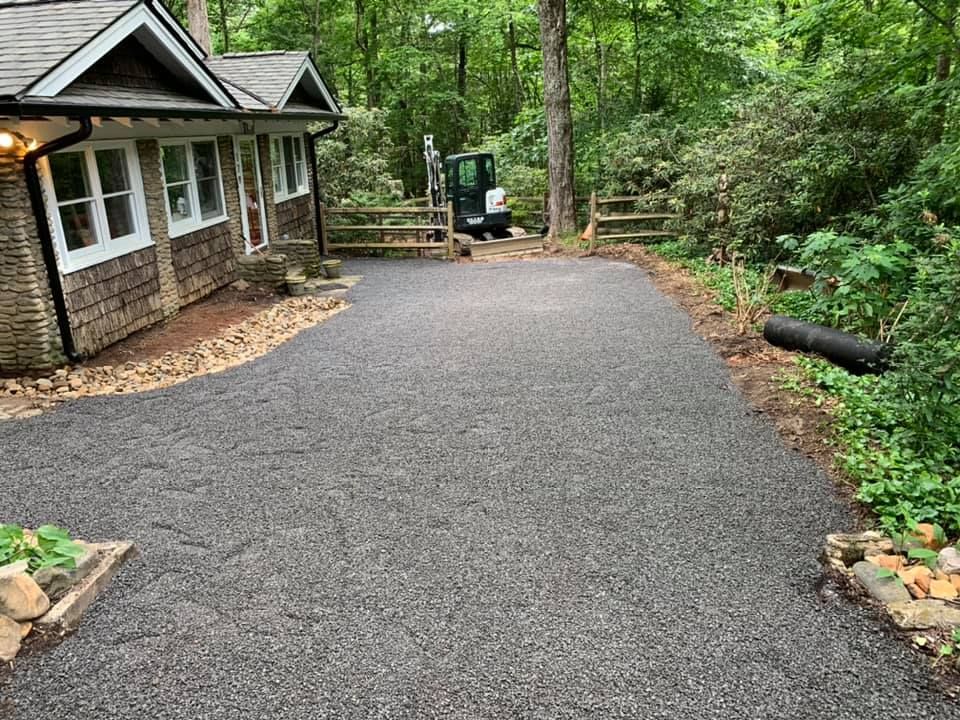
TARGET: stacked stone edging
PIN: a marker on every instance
(267, 269)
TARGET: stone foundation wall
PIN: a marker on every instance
(268, 270)
(109, 301)
(29, 337)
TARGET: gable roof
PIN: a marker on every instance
(271, 78)
(35, 37)
(49, 47)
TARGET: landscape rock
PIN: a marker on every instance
(949, 561)
(10, 637)
(235, 346)
(942, 590)
(924, 615)
(850, 548)
(57, 580)
(21, 598)
(886, 590)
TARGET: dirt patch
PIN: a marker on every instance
(201, 320)
(755, 365)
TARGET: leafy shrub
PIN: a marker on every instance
(859, 284)
(354, 162)
(50, 546)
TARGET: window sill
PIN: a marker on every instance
(278, 199)
(174, 231)
(70, 265)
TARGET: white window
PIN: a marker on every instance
(192, 183)
(100, 210)
(289, 165)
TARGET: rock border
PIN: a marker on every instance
(64, 616)
(234, 346)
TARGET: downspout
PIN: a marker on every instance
(316, 178)
(43, 229)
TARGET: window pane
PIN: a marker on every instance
(468, 173)
(301, 175)
(174, 163)
(69, 172)
(205, 161)
(78, 228)
(180, 207)
(112, 166)
(490, 172)
(119, 216)
(208, 193)
(298, 148)
(288, 165)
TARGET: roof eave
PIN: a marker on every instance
(27, 108)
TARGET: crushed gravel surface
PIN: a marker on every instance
(515, 490)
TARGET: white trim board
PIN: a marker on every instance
(309, 68)
(149, 29)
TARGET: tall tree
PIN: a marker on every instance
(199, 23)
(556, 101)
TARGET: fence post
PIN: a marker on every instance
(592, 226)
(323, 229)
(450, 230)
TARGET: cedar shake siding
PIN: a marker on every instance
(109, 301)
(296, 218)
(203, 261)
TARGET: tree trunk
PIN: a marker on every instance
(199, 23)
(460, 112)
(224, 29)
(515, 68)
(556, 100)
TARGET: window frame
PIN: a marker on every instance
(180, 228)
(278, 164)
(106, 248)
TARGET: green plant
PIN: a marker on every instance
(927, 557)
(859, 284)
(49, 546)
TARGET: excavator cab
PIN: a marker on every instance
(479, 206)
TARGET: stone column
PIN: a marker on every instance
(29, 336)
(149, 153)
(234, 204)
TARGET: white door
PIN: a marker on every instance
(253, 215)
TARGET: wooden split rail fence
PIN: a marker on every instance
(600, 221)
(384, 225)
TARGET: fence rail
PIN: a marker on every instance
(599, 220)
(412, 235)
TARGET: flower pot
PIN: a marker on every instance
(331, 268)
(297, 285)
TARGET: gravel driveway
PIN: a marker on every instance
(516, 490)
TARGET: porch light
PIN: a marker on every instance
(8, 138)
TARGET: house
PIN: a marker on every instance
(138, 174)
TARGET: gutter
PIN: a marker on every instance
(43, 229)
(313, 137)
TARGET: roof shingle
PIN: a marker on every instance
(35, 37)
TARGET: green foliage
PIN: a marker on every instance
(926, 556)
(50, 547)
(859, 285)
(905, 476)
(353, 162)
